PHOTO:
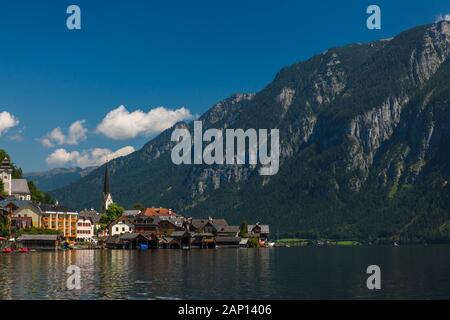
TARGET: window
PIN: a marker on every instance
(117, 229)
(123, 229)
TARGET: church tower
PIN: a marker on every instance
(107, 198)
(6, 175)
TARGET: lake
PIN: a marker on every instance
(407, 272)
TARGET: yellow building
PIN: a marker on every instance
(60, 218)
(30, 211)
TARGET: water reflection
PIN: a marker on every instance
(285, 273)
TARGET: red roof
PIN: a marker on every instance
(158, 212)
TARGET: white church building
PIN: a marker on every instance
(17, 188)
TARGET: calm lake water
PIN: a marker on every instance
(408, 272)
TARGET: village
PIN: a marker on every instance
(36, 226)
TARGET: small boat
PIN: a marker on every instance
(396, 244)
(7, 250)
(24, 250)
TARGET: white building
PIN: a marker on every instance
(88, 224)
(85, 228)
(120, 226)
(18, 188)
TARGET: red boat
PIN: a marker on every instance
(23, 250)
(7, 250)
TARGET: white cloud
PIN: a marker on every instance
(62, 157)
(443, 17)
(87, 158)
(120, 124)
(7, 121)
(77, 133)
(17, 136)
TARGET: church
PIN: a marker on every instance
(16, 188)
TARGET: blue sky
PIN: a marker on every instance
(145, 54)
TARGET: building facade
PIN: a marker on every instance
(30, 211)
(85, 229)
(61, 219)
(120, 226)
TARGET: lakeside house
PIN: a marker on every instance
(62, 219)
(26, 215)
(260, 231)
(131, 241)
(121, 226)
(40, 241)
(228, 242)
(88, 225)
(145, 224)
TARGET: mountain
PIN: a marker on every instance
(57, 178)
(364, 143)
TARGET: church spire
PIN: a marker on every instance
(106, 188)
(107, 197)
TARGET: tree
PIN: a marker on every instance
(39, 196)
(138, 206)
(243, 229)
(113, 212)
(2, 190)
(4, 227)
(253, 242)
(34, 230)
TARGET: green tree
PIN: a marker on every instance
(243, 229)
(2, 190)
(114, 212)
(39, 196)
(34, 230)
(138, 206)
(253, 242)
(4, 228)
